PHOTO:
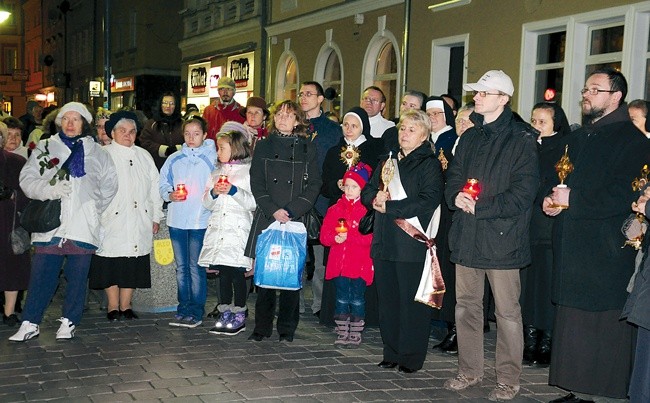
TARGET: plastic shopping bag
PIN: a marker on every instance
(280, 256)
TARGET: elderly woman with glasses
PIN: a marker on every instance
(121, 264)
(101, 117)
(163, 134)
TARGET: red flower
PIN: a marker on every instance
(32, 145)
(53, 162)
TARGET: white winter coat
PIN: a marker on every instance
(231, 219)
(127, 223)
(91, 194)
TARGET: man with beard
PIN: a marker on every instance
(223, 109)
(592, 350)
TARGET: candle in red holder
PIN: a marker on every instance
(223, 179)
(342, 227)
(182, 192)
(472, 188)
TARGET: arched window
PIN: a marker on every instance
(386, 76)
(286, 77)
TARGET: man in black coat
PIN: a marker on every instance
(489, 233)
(592, 349)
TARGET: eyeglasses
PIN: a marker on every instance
(593, 91)
(483, 94)
(370, 100)
(307, 94)
(462, 122)
(167, 103)
(434, 114)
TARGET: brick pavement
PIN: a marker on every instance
(148, 360)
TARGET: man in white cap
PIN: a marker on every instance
(223, 109)
(489, 234)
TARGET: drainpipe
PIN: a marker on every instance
(264, 49)
(405, 44)
(107, 52)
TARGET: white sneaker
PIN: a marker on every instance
(66, 330)
(27, 331)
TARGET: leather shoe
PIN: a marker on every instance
(387, 364)
(286, 337)
(570, 398)
(129, 314)
(449, 344)
(406, 370)
(256, 337)
(113, 315)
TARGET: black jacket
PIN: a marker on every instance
(277, 176)
(422, 180)
(502, 155)
(591, 270)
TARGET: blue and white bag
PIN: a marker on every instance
(280, 256)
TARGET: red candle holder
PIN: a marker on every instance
(223, 179)
(472, 188)
(342, 227)
(182, 191)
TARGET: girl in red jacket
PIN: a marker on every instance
(349, 262)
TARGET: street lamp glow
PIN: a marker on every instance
(4, 15)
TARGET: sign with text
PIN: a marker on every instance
(123, 84)
(95, 88)
(198, 80)
(241, 68)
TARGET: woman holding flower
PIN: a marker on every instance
(72, 167)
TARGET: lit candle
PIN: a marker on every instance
(182, 192)
(223, 179)
(342, 227)
(472, 188)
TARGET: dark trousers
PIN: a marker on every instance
(288, 314)
(232, 278)
(404, 324)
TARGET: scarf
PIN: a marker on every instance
(75, 162)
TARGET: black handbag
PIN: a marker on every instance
(312, 219)
(367, 222)
(41, 215)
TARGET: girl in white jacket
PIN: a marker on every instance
(229, 197)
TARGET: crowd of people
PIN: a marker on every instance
(541, 210)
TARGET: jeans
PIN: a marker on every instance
(44, 280)
(350, 297)
(190, 277)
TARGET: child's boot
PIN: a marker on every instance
(342, 329)
(224, 315)
(356, 327)
(237, 322)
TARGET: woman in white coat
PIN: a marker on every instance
(122, 264)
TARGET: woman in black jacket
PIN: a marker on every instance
(162, 135)
(285, 180)
(398, 258)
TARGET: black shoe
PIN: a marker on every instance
(215, 313)
(570, 398)
(317, 314)
(543, 354)
(129, 314)
(256, 337)
(450, 343)
(530, 344)
(286, 337)
(113, 315)
(387, 364)
(10, 320)
(406, 370)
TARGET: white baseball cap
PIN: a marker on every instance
(492, 80)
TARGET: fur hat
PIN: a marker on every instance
(359, 173)
(75, 107)
(116, 117)
(362, 115)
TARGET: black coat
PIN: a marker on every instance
(277, 176)
(502, 155)
(422, 180)
(637, 307)
(334, 167)
(591, 270)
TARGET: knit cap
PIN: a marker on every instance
(359, 173)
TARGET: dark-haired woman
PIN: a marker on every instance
(285, 181)
(163, 134)
(537, 310)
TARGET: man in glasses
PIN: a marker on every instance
(489, 233)
(223, 109)
(592, 348)
(373, 101)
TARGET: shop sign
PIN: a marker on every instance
(197, 80)
(240, 69)
(215, 75)
(123, 84)
(95, 88)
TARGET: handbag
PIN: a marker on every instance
(280, 255)
(41, 215)
(312, 219)
(20, 240)
(367, 222)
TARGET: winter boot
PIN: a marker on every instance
(356, 328)
(530, 344)
(342, 329)
(236, 323)
(224, 315)
(543, 353)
